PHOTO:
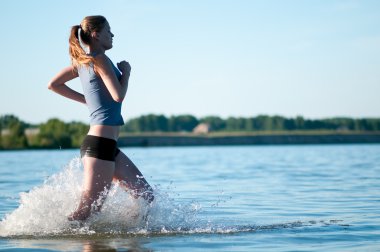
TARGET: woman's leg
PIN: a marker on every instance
(127, 172)
(98, 176)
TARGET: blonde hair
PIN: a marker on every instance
(88, 25)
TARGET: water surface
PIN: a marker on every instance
(273, 198)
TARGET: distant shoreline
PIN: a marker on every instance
(187, 130)
(164, 139)
(146, 140)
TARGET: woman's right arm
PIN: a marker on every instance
(117, 88)
(58, 84)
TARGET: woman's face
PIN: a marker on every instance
(105, 37)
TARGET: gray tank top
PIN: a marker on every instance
(104, 110)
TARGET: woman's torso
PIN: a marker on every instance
(105, 113)
(106, 131)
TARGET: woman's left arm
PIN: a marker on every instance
(58, 84)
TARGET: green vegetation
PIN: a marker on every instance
(55, 134)
(12, 133)
(154, 123)
(16, 134)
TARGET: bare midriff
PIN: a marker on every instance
(106, 131)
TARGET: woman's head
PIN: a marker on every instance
(91, 29)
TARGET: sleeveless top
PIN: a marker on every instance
(104, 110)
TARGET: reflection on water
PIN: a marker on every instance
(102, 242)
(84, 245)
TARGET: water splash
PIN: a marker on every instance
(44, 210)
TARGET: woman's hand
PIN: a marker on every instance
(124, 67)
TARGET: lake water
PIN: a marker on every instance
(263, 198)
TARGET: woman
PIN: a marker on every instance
(104, 88)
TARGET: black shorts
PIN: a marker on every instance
(99, 147)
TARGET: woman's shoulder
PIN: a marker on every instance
(103, 64)
(101, 59)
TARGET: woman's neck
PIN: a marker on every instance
(95, 49)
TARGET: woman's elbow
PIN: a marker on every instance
(118, 99)
(50, 86)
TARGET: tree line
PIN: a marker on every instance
(17, 134)
(152, 123)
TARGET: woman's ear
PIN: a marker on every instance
(94, 35)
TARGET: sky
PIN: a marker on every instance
(241, 58)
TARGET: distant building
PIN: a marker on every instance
(32, 131)
(27, 131)
(5, 132)
(202, 128)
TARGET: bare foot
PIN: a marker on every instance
(80, 214)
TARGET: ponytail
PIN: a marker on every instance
(83, 31)
(77, 54)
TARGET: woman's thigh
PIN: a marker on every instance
(126, 170)
(98, 174)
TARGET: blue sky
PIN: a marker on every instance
(313, 58)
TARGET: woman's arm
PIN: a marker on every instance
(117, 88)
(58, 84)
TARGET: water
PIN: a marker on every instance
(272, 198)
